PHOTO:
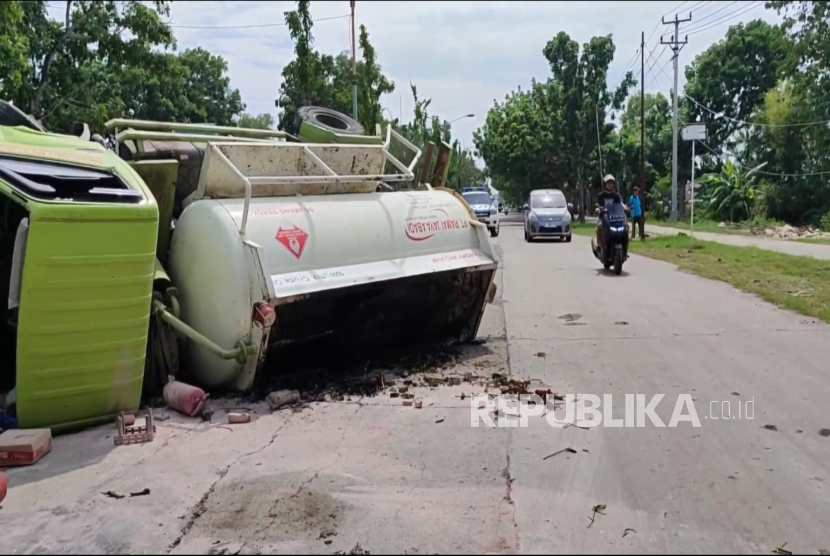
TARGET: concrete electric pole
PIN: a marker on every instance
(676, 46)
(354, 67)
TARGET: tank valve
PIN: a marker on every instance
(264, 314)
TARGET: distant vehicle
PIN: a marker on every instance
(484, 207)
(547, 215)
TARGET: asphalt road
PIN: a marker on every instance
(397, 479)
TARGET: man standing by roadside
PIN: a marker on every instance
(636, 214)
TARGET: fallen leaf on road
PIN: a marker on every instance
(627, 530)
(736, 393)
(113, 494)
(824, 432)
(439, 421)
(621, 323)
(144, 492)
(598, 509)
(771, 427)
(569, 450)
(781, 550)
(326, 533)
(541, 354)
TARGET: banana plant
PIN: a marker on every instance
(731, 194)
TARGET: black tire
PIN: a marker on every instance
(568, 239)
(618, 261)
(494, 232)
(327, 119)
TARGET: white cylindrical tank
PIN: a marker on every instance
(295, 247)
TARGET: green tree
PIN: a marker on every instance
(312, 78)
(732, 77)
(260, 121)
(110, 59)
(522, 142)
(14, 45)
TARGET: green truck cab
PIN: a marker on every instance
(78, 234)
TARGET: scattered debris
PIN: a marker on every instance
(356, 551)
(598, 509)
(136, 434)
(570, 316)
(439, 421)
(568, 450)
(781, 550)
(790, 232)
(207, 414)
(541, 354)
(824, 432)
(394, 394)
(185, 398)
(407, 403)
(771, 427)
(113, 494)
(326, 533)
(627, 531)
(282, 398)
(143, 492)
(622, 323)
(736, 393)
(239, 418)
(161, 417)
(575, 323)
(585, 450)
(418, 403)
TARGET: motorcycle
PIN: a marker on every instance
(615, 234)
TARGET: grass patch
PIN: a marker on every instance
(815, 241)
(709, 226)
(801, 284)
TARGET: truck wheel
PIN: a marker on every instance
(330, 120)
(494, 232)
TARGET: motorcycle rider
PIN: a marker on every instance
(604, 199)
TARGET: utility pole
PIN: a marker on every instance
(354, 67)
(676, 46)
(643, 119)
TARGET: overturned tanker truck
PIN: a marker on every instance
(269, 240)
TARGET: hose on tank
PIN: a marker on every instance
(162, 359)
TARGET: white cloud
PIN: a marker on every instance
(461, 54)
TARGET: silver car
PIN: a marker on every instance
(547, 215)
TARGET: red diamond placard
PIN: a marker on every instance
(294, 239)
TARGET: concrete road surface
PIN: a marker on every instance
(396, 479)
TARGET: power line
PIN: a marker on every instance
(249, 26)
(252, 26)
(625, 71)
(758, 124)
(775, 174)
(707, 16)
(721, 21)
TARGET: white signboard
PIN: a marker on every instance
(694, 132)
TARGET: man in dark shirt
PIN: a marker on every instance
(604, 199)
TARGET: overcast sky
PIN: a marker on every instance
(462, 55)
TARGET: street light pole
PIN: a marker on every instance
(446, 127)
